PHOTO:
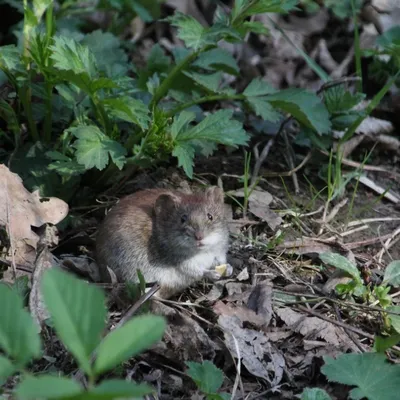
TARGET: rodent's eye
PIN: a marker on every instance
(209, 216)
(184, 218)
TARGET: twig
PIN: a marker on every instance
(388, 244)
(238, 369)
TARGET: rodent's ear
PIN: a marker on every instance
(165, 202)
(215, 194)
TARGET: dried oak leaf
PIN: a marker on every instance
(20, 210)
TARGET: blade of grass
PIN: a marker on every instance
(357, 48)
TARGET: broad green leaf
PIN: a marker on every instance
(181, 122)
(340, 262)
(69, 55)
(315, 394)
(158, 61)
(394, 319)
(217, 59)
(392, 274)
(337, 99)
(207, 376)
(136, 335)
(389, 38)
(209, 81)
(116, 388)
(258, 87)
(6, 369)
(93, 148)
(383, 343)
(217, 127)
(78, 313)
(19, 336)
(47, 387)
(128, 109)
(305, 106)
(374, 376)
(184, 152)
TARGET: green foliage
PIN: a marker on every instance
(340, 262)
(374, 377)
(314, 394)
(78, 315)
(208, 379)
(92, 116)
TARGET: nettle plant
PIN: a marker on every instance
(88, 109)
(78, 314)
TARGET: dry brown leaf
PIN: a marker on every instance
(313, 327)
(258, 355)
(260, 300)
(245, 314)
(20, 209)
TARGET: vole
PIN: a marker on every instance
(173, 238)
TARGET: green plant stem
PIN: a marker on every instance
(49, 21)
(206, 99)
(25, 97)
(102, 114)
(48, 118)
(357, 49)
(168, 81)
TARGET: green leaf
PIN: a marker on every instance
(189, 30)
(374, 377)
(394, 319)
(93, 148)
(340, 262)
(315, 394)
(40, 7)
(263, 109)
(392, 274)
(218, 59)
(207, 376)
(19, 336)
(78, 313)
(258, 87)
(209, 81)
(337, 99)
(217, 127)
(184, 152)
(158, 61)
(6, 369)
(181, 122)
(116, 388)
(381, 344)
(69, 55)
(47, 387)
(305, 106)
(128, 109)
(8, 114)
(136, 335)
(389, 38)
(10, 59)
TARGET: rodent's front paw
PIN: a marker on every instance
(218, 272)
(212, 275)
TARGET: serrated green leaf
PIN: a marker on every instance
(217, 59)
(128, 109)
(181, 122)
(184, 152)
(340, 262)
(305, 106)
(19, 336)
(136, 335)
(392, 274)
(6, 369)
(69, 55)
(10, 59)
(78, 313)
(374, 377)
(258, 87)
(47, 387)
(394, 319)
(315, 394)
(381, 344)
(217, 127)
(189, 30)
(263, 109)
(209, 81)
(337, 99)
(93, 148)
(207, 376)
(255, 27)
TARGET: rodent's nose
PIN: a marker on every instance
(199, 235)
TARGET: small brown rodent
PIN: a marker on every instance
(173, 238)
